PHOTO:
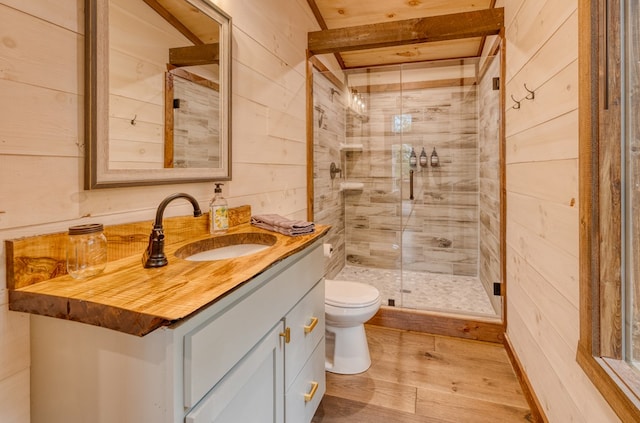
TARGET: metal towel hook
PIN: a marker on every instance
(531, 94)
(517, 105)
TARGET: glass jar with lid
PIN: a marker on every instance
(86, 250)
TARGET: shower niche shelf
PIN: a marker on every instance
(355, 115)
(351, 186)
(351, 147)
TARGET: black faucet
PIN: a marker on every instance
(154, 254)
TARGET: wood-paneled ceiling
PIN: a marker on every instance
(382, 32)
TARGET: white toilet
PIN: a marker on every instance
(348, 305)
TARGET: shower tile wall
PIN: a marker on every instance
(329, 133)
(441, 224)
(196, 133)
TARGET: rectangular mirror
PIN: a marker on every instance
(158, 87)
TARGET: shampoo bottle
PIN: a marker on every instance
(413, 159)
(219, 210)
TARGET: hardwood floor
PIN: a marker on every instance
(417, 377)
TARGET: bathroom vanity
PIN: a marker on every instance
(255, 353)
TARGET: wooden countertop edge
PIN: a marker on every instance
(107, 316)
(136, 322)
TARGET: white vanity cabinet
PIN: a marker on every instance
(256, 355)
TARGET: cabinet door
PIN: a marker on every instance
(253, 391)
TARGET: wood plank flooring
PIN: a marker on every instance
(417, 377)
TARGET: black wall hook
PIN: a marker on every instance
(517, 105)
(531, 94)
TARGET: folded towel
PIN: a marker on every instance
(277, 223)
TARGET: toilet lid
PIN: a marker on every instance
(349, 294)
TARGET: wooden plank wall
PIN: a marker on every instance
(41, 139)
(542, 209)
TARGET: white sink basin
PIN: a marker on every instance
(231, 251)
(226, 246)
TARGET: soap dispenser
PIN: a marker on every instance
(219, 212)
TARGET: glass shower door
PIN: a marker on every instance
(441, 198)
(372, 216)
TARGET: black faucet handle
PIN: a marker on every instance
(154, 255)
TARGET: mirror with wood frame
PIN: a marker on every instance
(158, 86)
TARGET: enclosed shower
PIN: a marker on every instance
(407, 172)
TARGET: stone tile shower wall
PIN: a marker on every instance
(328, 134)
(438, 230)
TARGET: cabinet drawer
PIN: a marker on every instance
(302, 400)
(306, 322)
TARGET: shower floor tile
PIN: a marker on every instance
(424, 291)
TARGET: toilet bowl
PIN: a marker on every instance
(348, 305)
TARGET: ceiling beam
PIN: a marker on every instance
(323, 25)
(192, 77)
(203, 54)
(335, 80)
(318, 15)
(484, 38)
(410, 31)
(418, 85)
(175, 22)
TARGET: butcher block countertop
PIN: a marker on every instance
(129, 298)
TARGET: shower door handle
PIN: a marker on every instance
(411, 185)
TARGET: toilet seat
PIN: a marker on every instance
(347, 294)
